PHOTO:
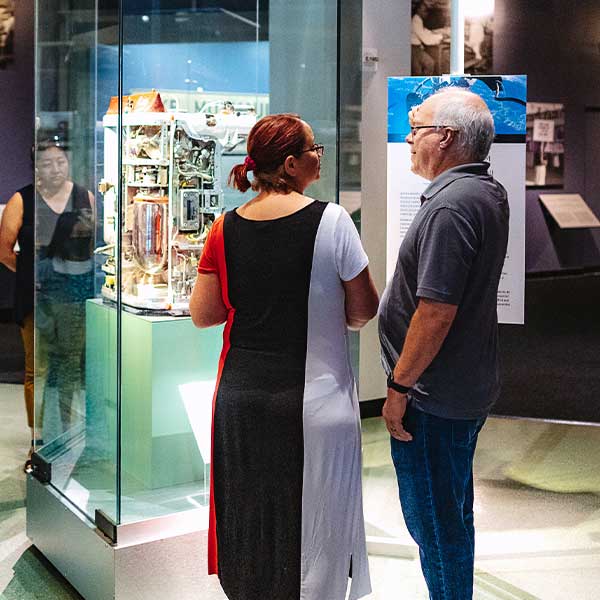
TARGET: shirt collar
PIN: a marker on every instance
(450, 175)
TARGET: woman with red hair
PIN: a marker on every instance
(287, 275)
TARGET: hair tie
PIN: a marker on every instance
(249, 164)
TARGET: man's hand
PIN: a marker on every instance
(426, 333)
(393, 413)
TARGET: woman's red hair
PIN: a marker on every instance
(270, 142)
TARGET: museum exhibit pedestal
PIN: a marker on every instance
(132, 525)
(152, 560)
(166, 395)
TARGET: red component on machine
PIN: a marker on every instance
(142, 102)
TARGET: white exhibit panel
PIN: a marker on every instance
(506, 98)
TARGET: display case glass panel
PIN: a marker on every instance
(76, 405)
(152, 102)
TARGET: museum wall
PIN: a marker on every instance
(556, 44)
(17, 107)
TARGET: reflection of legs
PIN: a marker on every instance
(435, 483)
(27, 336)
(44, 334)
(68, 349)
(53, 343)
(60, 322)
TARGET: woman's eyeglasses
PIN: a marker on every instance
(318, 148)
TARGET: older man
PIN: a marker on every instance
(438, 333)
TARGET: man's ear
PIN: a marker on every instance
(290, 166)
(449, 137)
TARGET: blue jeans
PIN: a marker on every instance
(435, 481)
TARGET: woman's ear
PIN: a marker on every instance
(290, 166)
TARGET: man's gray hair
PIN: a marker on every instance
(472, 120)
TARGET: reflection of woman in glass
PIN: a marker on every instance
(64, 281)
(288, 275)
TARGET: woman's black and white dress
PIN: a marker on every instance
(286, 501)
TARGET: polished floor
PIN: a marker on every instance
(537, 514)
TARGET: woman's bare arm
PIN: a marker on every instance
(12, 221)
(206, 304)
(362, 300)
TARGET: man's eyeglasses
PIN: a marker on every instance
(318, 148)
(415, 128)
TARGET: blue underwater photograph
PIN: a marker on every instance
(505, 95)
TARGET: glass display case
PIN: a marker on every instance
(142, 109)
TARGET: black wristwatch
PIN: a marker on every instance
(401, 389)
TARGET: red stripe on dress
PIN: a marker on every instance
(219, 241)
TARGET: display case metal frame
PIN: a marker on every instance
(151, 559)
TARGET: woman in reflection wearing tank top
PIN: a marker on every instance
(64, 244)
(61, 213)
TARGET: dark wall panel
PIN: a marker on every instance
(17, 107)
(551, 365)
(553, 44)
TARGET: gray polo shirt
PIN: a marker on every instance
(453, 252)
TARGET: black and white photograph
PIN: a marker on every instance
(430, 37)
(545, 144)
(7, 32)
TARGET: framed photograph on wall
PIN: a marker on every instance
(7, 33)
(430, 37)
(545, 156)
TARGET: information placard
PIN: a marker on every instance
(543, 130)
(570, 211)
